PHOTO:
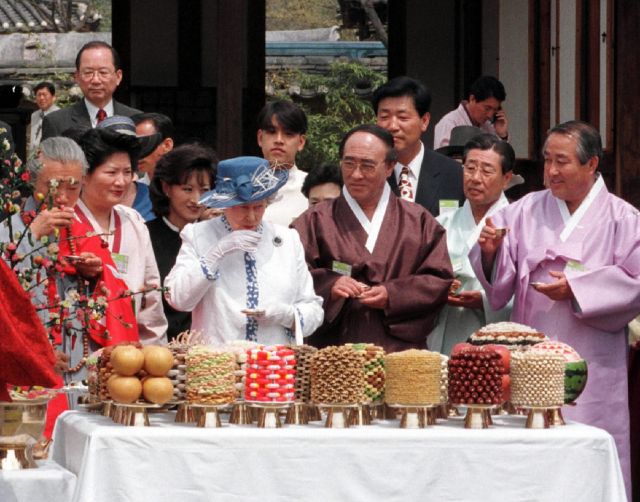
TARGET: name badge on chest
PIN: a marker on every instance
(121, 262)
(341, 268)
(576, 266)
(448, 206)
(456, 265)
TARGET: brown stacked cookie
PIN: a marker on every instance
(337, 376)
(303, 353)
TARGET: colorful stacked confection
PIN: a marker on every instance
(271, 375)
(511, 334)
(179, 347)
(210, 376)
(413, 377)
(239, 349)
(477, 376)
(178, 373)
(337, 376)
(303, 371)
(537, 379)
(575, 368)
(444, 379)
(374, 374)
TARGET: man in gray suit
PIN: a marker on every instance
(98, 74)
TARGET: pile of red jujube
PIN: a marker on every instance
(478, 375)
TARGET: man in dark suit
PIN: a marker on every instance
(98, 74)
(420, 175)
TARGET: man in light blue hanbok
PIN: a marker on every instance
(488, 163)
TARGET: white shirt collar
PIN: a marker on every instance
(572, 220)
(93, 111)
(414, 167)
(477, 228)
(170, 225)
(372, 227)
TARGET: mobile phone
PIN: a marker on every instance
(536, 284)
(495, 116)
(73, 257)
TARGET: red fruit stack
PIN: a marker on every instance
(476, 376)
(271, 374)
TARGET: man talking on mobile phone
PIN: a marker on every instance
(482, 108)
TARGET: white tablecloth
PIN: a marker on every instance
(49, 483)
(446, 462)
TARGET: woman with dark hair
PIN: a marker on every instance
(181, 177)
(112, 158)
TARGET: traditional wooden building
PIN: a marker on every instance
(203, 63)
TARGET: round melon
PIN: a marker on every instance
(575, 380)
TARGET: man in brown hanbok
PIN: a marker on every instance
(380, 263)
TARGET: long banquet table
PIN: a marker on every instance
(446, 462)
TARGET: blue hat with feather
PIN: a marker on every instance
(242, 180)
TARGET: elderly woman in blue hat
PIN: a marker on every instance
(244, 278)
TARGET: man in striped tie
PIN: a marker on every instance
(420, 175)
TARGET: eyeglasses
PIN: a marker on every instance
(102, 73)
(366, 166)
(471, 170)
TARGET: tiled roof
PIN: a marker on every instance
(41, 16)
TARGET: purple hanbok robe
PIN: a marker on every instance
(598, 249)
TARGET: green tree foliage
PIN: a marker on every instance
(341, 103)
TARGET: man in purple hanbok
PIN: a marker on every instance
(571, 256)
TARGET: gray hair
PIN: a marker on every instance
(588, 141)
(58, 149)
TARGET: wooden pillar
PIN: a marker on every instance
(240, 70)
(539, 74)
(627, 100)
(121, 41)
(190, 44)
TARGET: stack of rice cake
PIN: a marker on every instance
(413, 377)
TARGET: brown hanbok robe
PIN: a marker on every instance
(409, 258)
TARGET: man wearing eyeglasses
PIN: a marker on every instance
(487, 172)
(98, 74)
(380, 263)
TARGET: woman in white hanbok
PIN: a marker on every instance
(242, 277)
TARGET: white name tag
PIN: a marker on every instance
(341, 268)
(448, 206)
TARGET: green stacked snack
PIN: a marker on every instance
(374, 374)
(210, 376)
